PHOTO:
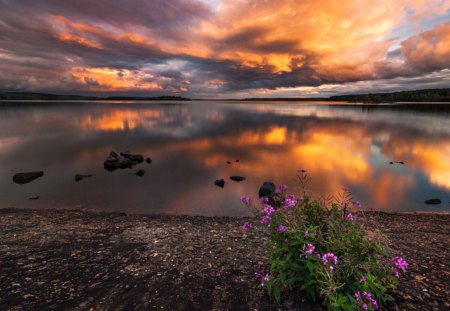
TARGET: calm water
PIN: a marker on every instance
(340, 146)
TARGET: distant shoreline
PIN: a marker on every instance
(425, 95)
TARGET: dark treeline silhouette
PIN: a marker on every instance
(429, 95)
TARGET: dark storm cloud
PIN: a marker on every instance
(177, 46)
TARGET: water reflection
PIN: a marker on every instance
(340, 146)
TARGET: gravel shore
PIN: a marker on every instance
(65, 260)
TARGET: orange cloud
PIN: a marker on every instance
(429, 49)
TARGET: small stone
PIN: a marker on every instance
(433, 201)
(148, 160)
(140, 173)
(237, 178)
(220, 183)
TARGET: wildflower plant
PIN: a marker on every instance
(325, 251)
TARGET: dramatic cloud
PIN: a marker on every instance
(205, 48)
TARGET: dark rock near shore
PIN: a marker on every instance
(140, 173)
(24, 178)
(267, 189)
(236, 161)
(220, 183)
(433, 201)
(148, 160)
(34, 198)
(228, 162)
(237, 178)
(125, 160)
(79, 177)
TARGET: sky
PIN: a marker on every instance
(224, 48)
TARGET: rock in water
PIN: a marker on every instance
(220, 183)
(140, 173)
(237, 178)
(125, 160)
(267, 189)
(433, 201)
(148, 160)
(24, 178)
(79, 177)
(34, 198)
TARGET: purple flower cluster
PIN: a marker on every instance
(281, 229)
(247, 225)
(264, 278)
(350, 217)
(365, 300)
(398, 263)
(264, 200)
(267, 211)
(308, 248)
(290, 203)
(246, 200)
(331, 259)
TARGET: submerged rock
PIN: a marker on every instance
(267, 189)
(433, 201)
(24, 178)
(237, 178)
(220, 183)
(79, 177)
(140, 173)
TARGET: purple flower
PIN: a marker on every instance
(308, 248)
(329, 258)
(265, 219)
(282, 188)
(264, 200)
(276, 198)
(290, 203)
(247, 225)
(246, 200)
(365, 299)
(362, 279)
(350, 217)
(291, 196)
(400, 263)
(357, 204)
(281, 229)
(268, 210)
(358, 295)
(307, 233)
(265, 279)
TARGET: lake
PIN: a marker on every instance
(339, 145)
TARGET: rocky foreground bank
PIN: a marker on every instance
(61, 259)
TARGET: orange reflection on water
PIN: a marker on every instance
(432, 158)
(119, 120)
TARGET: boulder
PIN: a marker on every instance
(79, 177)
(237, 178)
(24, 178)
(140, 173)
(220, 183)
(433, 201)
(267, 189)
(148, 160)
(125, 160)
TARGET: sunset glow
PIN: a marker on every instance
(204, 48)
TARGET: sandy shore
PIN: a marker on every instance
(60, 259)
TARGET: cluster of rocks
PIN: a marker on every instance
(123, 160)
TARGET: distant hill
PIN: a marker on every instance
(44, 96)
(292, 99)
(40, 96)
(429, 95)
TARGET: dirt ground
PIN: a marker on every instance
(77, 260)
